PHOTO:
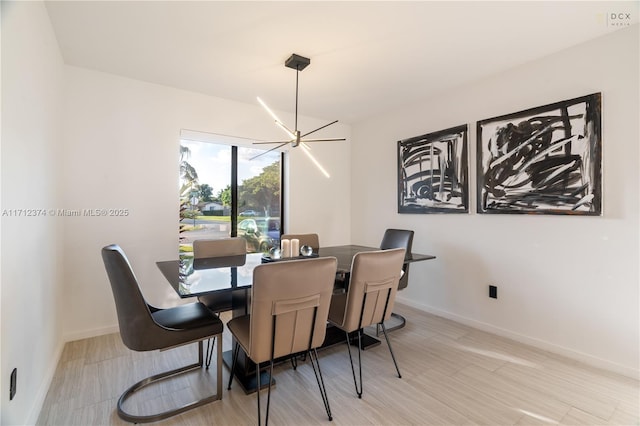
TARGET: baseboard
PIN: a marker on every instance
(537, 343)
(94, 332)
(38, 401)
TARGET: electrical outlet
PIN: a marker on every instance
(12, 384)
(493, 292)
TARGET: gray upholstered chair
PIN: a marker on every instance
(368, 300)
(398, 238)
(220, 247)
(145, 328)
(311, 240)
(289, 308)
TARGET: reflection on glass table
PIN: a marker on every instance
(191, 277)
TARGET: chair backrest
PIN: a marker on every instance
(310, 240)
(399, 238)
(221, 247)
(372, 288)
(290, 306)
(137, 327)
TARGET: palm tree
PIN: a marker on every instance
(188, 184)
(188, 173)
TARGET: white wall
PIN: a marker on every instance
(121, 151)
(568, 284)
(32, 87)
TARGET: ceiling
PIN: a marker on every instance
(366, 57)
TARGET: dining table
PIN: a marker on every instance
(230, 278)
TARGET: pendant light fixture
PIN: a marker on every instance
(296, 137)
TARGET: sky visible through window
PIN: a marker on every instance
(213, 162)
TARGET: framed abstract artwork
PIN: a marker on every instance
(433, 172)
(544, 160)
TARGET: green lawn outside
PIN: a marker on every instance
(226, 218)
(215, 218)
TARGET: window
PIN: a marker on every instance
(225, 190)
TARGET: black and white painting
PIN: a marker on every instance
(545, 160)
(433, 172)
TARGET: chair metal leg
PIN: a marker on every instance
(384, 330)
(258, 391)
(394, 323)
(162, 376)
(266, 418)
(320, 380)
(294, 361)
(236, 349)
(210, 343)
(219, 367)
(353, 371)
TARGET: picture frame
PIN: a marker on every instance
(433, 172)
(543, 160)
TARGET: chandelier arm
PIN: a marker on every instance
(324, 140)
(319, 128)
(263, 153)
(270, 142)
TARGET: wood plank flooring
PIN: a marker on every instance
(451, 375)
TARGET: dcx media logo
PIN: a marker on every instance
(618, 19)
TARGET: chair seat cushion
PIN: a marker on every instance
(217, 302)
(240, 327)
(190, 316)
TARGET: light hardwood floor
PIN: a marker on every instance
(451, 375)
